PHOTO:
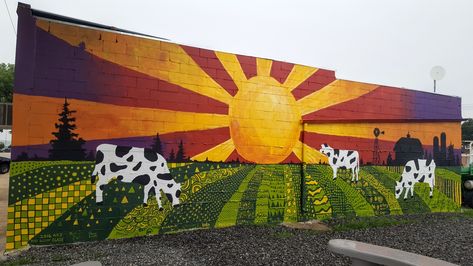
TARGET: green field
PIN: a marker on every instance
(213, 195)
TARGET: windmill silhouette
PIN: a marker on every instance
(376, 159)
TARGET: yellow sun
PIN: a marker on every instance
(264, 120)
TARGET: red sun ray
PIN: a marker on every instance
(248, 65)
(317, 81)
(208, 61)
(280, 70)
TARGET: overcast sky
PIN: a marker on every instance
(386, 42)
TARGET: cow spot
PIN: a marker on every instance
(164, 176)
(142, 179)
(410, 183)
(137, 167)
(162, 164)
(336, 152)
(408, 169)
(416, 175)
(169, 196)
(416, 163)
(334, 160)
(349, 153)
(120, 178)
(121, 151)
(352, 160)
(102, 187)
(115, 167)
(150, 155)
(155, 183)
(151, 191)
(130, 159)
(178, 193)
(341, 160)
(170, 185)
(102, 171)
(328, 154)
(430, 175)
(152, 168)
(397, 191)
(99, 157)
(422, 179)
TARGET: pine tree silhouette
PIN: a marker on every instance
(172, 157)
(180, 155)
(157, 146)
(67, 145)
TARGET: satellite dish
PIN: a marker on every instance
(437, 73)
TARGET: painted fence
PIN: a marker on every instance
(118, 135)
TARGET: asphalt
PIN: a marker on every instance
(442, 236)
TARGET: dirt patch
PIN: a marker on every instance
(309, 225)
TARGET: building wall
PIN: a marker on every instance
(219, 140)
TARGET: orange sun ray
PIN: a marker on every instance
(218, 153)
(263, 67)
(307, 154)
(162, 60)
(103, 121)
(335, 93)
(298, 75)
(232, 66)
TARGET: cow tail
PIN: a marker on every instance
(94, 175)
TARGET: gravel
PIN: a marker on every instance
(443, 236)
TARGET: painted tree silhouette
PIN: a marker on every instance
(157, 146)
(172, 157)
(180, 155)
(67, 145)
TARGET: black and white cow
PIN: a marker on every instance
(134, 165)
(342, 158)
(416, 171)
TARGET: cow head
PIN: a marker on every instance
(398, 189)
(326, 150)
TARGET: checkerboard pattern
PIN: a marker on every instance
(28, 217)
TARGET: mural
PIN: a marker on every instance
(120, 135)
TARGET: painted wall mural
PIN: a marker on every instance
(118, 135)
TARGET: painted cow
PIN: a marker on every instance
(342, 159)
(416, 171)
(134, 165)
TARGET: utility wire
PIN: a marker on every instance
(11, 21)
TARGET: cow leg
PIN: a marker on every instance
(353, 175)
(406, 191)
(99, 188)
(412, 191)
(431, 184)
(158, 198)
(146, 193)
(334, 169)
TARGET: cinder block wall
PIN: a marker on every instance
(118, 135)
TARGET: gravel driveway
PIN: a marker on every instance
(443, 236)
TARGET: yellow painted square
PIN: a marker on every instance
(45, 213)
(70, 200)
(10, 221)
(64, 205)
(37, 219)
(51, 206)
(37, 230)
(30, 213)
(24, 207)
(9, 246)
(30, 225)
(64, 194)
(24, 231)
(17, 238)
(58, 200)
(10, 233)
(17, 214)
(38, 207)
(45, 224)
(45, 200)
(57, 212)
(71, 187)
(52, 194)
(82, 187)
(31, 201)
(24, 220)
(17, 226)
(76, 193)
(11, 209)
